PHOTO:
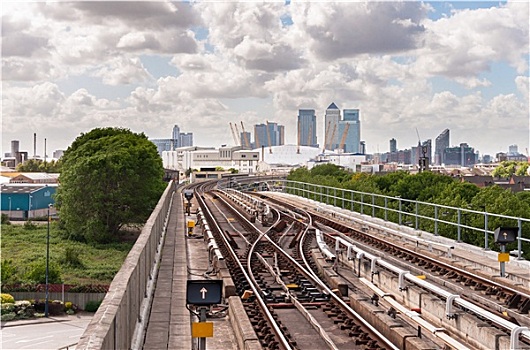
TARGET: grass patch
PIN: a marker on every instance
(95, 264)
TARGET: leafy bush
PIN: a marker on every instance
(5, 220)
(8, 317)
(7, 308)
(7, 298)
(37, 273)
(9, 271)
(68, 305)
(71, 257)
(29, 225)
(55, 307)
(24, 309)
(92, 305)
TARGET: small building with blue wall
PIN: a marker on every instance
(27, 201)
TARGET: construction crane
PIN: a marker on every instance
(423, 161)
(247, 141)
(344, 134)
(238, 136)
(234, 135)
(269, 137)
(326, 138)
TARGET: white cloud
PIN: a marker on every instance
(123, 71)
(466, 43)
(237, 61)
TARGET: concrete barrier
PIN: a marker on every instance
(113, 325)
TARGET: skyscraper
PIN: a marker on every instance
(393, 145)
(186, 139)
(462, 155)
(440, 144)
(352, 136)
(175, 137)
(275, 133)
(260, 135)
(331, 127)
(307, 127)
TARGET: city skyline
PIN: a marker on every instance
(71, 67)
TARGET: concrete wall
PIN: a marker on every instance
(113, 325)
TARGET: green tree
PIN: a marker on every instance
(110, 177)
(509, 168)
(38, 165)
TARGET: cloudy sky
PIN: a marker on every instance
(69, 67)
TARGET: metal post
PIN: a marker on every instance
(486, 244)
(519, 239)
(386, 206)
(334, 197)
(47, 264)
(320, 194)
(362, 202)
(399, 222)
(202, 313)
(436, 221)
(502, 264)
(9, 216)
(459, 230)
(416, 224)
(373, 205)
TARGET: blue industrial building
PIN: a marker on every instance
(27, 201)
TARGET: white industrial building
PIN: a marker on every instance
(226, 157)
(275, 159)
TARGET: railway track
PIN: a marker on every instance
(465, 291)
(288, 305)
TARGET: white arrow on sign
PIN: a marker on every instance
(203, 292)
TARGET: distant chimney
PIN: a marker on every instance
(14, 148)
(34, 144)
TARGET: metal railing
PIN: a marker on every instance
(426, 216)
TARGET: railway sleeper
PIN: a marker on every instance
(513, 301)
(525, 306)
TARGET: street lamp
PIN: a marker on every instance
(47, 263)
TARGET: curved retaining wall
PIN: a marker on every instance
(113, 325)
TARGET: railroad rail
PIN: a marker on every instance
(362, 246)
(259, 266)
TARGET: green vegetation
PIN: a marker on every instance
(110, 177)
(70, 262)
(425, 187)
(92, 306)
(509, 168)
(6, 299)
(38, 165)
